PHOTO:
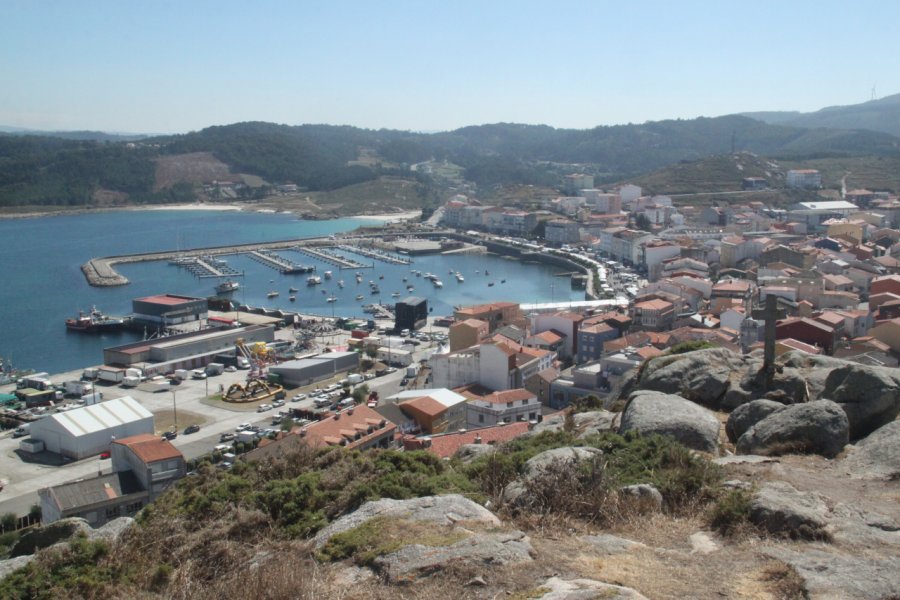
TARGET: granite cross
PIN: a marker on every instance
(770, 314)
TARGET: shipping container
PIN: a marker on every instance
(213, 369)
(181, 374)
(131, 381)
(79, 388)
(111, 374)
(89, 373)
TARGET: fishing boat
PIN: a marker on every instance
(313, 280)
(94, 321)
(227, 286)
(272, 294)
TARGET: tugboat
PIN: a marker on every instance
(94, 321)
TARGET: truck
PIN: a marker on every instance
(412, 369)
(111, 374)
(393, 356)
(132, 372)
(92, 398)
(90, 373)
(181, 374)
(213, 369)
(78, 388)
(35, 381)
(131, 381)
(198, 374)
(354, 378)
(246, 437)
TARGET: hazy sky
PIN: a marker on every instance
(177, 66)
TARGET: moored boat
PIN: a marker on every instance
(227, 286)
(94, 321)
(272, 294)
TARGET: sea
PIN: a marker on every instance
(43, 284)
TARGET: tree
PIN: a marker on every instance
(642, 222)
(360, 393)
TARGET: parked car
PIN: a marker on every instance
(298, 398)
(242, 427)
(191, 429)
(230, 369)
(104, 455)
(20, 432)
(226, 437)
(170, 435)
(263, 407)
(278, 403)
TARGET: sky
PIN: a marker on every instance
(163, 66)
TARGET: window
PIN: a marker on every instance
(525, 402)
(112, 512)
(509, 405)
(532, 416)
(481, 418)
(132, 508)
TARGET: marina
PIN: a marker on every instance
(279, 263)
(331, 258)
(376, 254)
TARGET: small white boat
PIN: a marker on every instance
(395, 294)
(359, 296)
(332, 299)
(272, 294)
(313, 280)
(227, 286)
(341, 283)
(327, 274)
(437, 283)
(459, 277)
(293, 290)
(292, 298)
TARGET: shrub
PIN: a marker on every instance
(731, 512)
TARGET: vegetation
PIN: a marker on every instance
(690, 346)
(731, 512)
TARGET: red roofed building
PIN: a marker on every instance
(654, 315)
(486, 407)
(448, 444)
(809, 331)
(886, 284)
(464, 334)
(495, 314)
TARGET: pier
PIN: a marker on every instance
(331, 258)
(207, 267)
(376, 254)
(279, 263)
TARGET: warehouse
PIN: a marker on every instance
(187, 350)
(295, 373)
(90, 430)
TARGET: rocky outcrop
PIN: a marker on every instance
(64, 529)
(642, 497)
(611, 544)
(857, 576)
(819, 427)
(703, 376)
(747, 415)
(878, 455)
(583, 589)
(586, 423)
(673, 416)
(493, 549)
(781, 509)
(547, 462)
(439, 510)
(469, 452)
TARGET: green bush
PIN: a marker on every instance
(731, 512)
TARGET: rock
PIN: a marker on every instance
(586, 423)
(747, 415)
(781, 509)
(878, 455)
(743, 459)
(869, 395)
(643, 497)
(611, 544)
(469, 452)
(737, 484)
(845, 576)
(112, 531)
(49, 535)
(703, 376)
(549, 461)
(673, 416)
(440, 510)
(476, 581)
(14, 564)
(584, 589)
(490, 549)
(818, 427)
(702, 543)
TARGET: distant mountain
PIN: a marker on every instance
(99, 136)
(876, 115)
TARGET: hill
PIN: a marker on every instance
(37, 170)
(876, 115)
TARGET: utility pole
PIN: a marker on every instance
(174, 411)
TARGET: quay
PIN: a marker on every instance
(332, 259)
(376, 254)
(279, 263)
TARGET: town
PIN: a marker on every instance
(487, 373)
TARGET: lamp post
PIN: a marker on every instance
(174, 411)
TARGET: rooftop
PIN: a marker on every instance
(168, 299)
(150, 448)
(98, 417)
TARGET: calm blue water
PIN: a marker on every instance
(43, 284)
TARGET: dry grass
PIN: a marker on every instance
(164, 420)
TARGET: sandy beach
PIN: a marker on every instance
(392, 217)
(386, 218)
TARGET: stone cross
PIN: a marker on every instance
(770, 314)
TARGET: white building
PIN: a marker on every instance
(804, 179)
(90, 430)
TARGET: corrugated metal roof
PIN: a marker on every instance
(104, 415)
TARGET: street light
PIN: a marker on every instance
(174, 411)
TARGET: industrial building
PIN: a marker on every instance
(296, 373)
(90, 430)
(412, 313)
(143, 467)
(165, 310)
(184, 351)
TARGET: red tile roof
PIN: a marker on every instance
(448, 444)
(150, 448)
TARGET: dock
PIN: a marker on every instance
(207, 267)
(331, 258)
(391, 259)
(278, 262)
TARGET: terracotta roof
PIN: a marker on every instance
(425, 405)
(648, 352)
(150, 448)
(331, 430)
(448, 444)
(654, 304)
(549, 336)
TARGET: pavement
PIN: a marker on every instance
(23, 479)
